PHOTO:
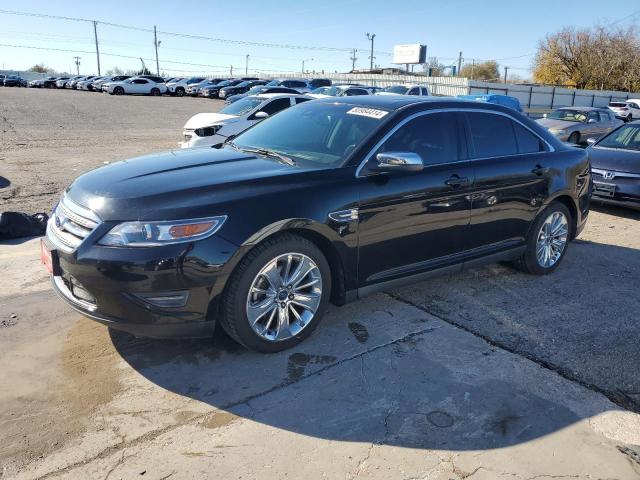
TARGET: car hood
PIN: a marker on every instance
(551, 124)
(176, 184)
(207, 119)
(614, 159)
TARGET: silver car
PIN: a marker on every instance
(577, 124)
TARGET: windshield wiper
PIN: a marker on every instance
(266, 152)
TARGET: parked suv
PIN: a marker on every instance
(326, 201)
(179, 88)
(627, 111)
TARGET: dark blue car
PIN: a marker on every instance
(504, 100)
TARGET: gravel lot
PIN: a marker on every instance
(489, 374)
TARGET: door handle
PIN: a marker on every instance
(457, 181)
(540, 170)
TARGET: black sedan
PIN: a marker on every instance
(615, 163)
(243, 87)
(212, 91)
(326, 201)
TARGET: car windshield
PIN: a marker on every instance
(194, 80)
(625, 138)
(399, 89)
(223, 83)
(243, 84)
(333, 91)
(568, 115)
(314, 134)
(273, 83)
(242, 106)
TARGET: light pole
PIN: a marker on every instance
(306, 60)
(246, 65)
(156, 44)
(370, 37)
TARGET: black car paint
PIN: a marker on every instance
(240, 88)
(400, 214)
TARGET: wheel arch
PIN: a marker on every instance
(568, 202)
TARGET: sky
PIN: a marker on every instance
(505, 30)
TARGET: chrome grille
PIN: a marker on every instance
(70, 224)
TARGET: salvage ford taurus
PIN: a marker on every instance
(326, 201)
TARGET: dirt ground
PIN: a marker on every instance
(488, 374)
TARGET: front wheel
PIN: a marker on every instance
(547, 241)
(180, 92)
(118, 91)
(155, 92)
(276, 296)
(574, 138)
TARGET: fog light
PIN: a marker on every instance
(165, 299)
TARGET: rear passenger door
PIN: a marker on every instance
(511, 180)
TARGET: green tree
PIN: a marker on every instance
(488, 70)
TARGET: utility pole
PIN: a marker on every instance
(473, 67)
(370, 37)
(77, 60)
(231, 71)
(156, 43)
(459, 63)
(95, 34)
(353, 59)
(306, 60)
(246, 65)
(506, 69)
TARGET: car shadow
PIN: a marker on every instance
(412, 367)
(615, 210)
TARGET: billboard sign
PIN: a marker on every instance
(412, 54)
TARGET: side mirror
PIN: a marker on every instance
(591, 120)
(544, 115)
(399, 162)
(260, 115)
(591, 141)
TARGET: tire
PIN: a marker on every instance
(530, 262)
(247, 277)
(155, 92)
(629, 118)
(574, 138)
(118, 91)
(180, 92)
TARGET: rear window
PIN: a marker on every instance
(617, 104)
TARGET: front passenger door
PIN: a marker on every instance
(412, 222)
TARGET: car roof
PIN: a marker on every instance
(275, 95)
(583, 109)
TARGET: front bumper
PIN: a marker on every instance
(113, 285)
(621, 190)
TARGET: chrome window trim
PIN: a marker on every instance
(453, 110)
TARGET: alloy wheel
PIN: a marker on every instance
(284, 297)
(552, 239)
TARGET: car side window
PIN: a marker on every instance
(414, 91)
(424, 91)
(302, 100)
(528, 142)
(593, 116)
(139, 81)
(435, 137)
(276, 105)
(355, 91)
(492, 135)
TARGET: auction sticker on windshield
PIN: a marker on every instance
(368, 112)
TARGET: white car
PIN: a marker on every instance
(62, 81)
(87, 84)
(340, 91)
(627, 110)
(179, 88)
(213, 128)
(406, 89)
(136, 86)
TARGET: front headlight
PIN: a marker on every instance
(207, 131)
(556, 132)
(152, 234)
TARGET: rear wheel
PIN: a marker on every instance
(180, 92)
(574, 138)
(276, 296)
(629, 118)
(118, 91)
(155, 92)
(547, 241)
